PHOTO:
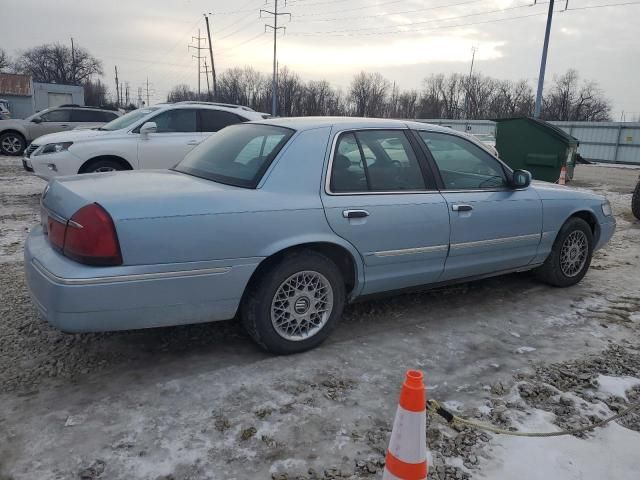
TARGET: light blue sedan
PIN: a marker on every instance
(283, 221)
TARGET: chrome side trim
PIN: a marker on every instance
(411, 251)
(127, 278)
(495, 241)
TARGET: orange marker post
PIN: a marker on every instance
(407, 453)
(563, 176)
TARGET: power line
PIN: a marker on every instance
(402, 25)
(358, 17)
(342, 10)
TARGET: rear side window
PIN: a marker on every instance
(179, 120)
(89, 116)
(238, 155)
(462, 164)
(214, 120)
(375, 161)
(56, 116)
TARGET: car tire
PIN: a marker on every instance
(570, 255)
(12, 144)
(635, 201)
(295, 303)
(102, 165)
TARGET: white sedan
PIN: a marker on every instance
(153, 137)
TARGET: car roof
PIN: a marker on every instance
(348, 123)
(249, 114)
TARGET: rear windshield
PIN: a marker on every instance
(236, 155)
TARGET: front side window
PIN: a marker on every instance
(238, 155)
(56, 116)
(214, 120)
(129, 119)
(180, 120)
(462, 164)
(375, 161)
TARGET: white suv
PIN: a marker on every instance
(153, 137)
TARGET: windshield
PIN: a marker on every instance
(128, 119)
(236, 155)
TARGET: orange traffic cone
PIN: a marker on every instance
(563, 175)
(407, 452)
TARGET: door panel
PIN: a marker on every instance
(500, 232)
(176, 136)
(403, 237)
(493, 227)
(52, 122)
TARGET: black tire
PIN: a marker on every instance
(635, 201)
(102, 165)
(12, 144)
(255, 310)
(551, 271)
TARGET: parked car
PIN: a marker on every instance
(283, 221)
(16, 134)
(489, 141)
(154, 137)
(5, 113)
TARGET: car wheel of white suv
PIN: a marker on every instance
(103, 165)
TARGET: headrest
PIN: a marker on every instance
(341, 162)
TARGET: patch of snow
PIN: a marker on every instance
(515, 334)
(522, 350)
(612, 452)
(616, 386)
(453, 405)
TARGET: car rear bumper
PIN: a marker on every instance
(80, 298)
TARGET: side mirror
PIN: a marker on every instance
(36, 120)
(147, 128)
(521, 179)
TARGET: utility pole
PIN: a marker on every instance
(199, 57)
(275, 28)
(206, 73)
(139, 97)
(147, 91)
(122, 94)
(543, 63)
(117, 89)
(213, 65)
(126, 93)
(73, 62)
(466, 100)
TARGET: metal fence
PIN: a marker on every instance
(613, 142)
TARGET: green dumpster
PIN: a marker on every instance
(537, 146)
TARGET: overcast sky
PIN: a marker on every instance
(405, 40)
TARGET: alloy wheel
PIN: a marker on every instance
(11, 144)
(302, 305)
(574, 253)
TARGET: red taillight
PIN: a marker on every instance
(91, 237)
(88, 237)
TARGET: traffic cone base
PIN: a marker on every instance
(563, 176)
(407, 453)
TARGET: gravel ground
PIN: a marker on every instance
(201, 402)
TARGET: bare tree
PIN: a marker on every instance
(567, 99)
(5, 61)
(368, 94)
(181, 93)
(56, 63)
(95, 93)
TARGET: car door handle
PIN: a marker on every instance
(193, 142)
(460, 207)
(64, 126)
(355, 213)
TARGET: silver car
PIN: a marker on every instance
(282, 222)
(16, 134)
